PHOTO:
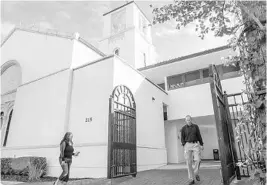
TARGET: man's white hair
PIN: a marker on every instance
(188, 116)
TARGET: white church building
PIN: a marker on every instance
(54, 82)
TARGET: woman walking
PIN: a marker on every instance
(65, 159)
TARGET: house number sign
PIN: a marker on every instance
(88, 119)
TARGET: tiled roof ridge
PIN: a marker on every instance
(53, 32)
(177, 59)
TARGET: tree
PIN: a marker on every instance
(245, 23)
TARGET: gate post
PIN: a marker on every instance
(234, 153)
(110, 136)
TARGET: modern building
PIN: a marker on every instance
(54, 82)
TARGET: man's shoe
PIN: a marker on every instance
(191, 182)
(197, 177)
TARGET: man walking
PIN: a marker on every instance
(192, 141)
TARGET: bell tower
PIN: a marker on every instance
(127, 33)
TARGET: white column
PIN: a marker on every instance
(165, 82)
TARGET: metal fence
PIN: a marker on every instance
(235, 102)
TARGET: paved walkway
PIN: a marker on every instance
(166, 175)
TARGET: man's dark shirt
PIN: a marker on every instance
(191, 134)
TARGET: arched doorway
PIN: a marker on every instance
(7, 128)
(122, 133)
(11, 79)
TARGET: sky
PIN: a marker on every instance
(86, 18)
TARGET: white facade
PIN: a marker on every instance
(47, 106)
(194, 100)
(55, 83)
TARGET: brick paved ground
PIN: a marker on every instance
(153, 177)
(168, 175)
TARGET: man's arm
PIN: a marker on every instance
(199, 136)
(182, 136)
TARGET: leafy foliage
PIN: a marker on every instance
(33, 167)
(244, 22)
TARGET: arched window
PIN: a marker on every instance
(2, 119)
(11, 76)
(117, 51)
(7, 128)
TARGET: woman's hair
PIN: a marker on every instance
(66, 137)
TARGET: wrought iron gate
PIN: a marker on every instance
(235, 100)
(235, 108)
(224, 128)
(122, 133)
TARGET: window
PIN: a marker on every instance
(165, 112)
(201, 76)
(2, 119)
(230, 68)
(117, 52)
(175, 82)
(162, 85)
(205, 73)
(7, 129)
(192, 76)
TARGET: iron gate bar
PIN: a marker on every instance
(224, 129)
(245, 171)
(231, 136)
(124, 113)
(124, 105)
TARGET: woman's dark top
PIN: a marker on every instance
(66, 150)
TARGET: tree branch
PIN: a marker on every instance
(252, 16)
(223, 12)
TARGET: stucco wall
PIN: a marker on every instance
(208, 132)
(195, 101)
(39, 55)
(233, 85)
(151, 151)
(130, 40)
(92, 87)
(171, 137)
(39, 112)
(82, 54)
(125, 41)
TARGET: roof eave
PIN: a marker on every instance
(56, 34)
(178, 59)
